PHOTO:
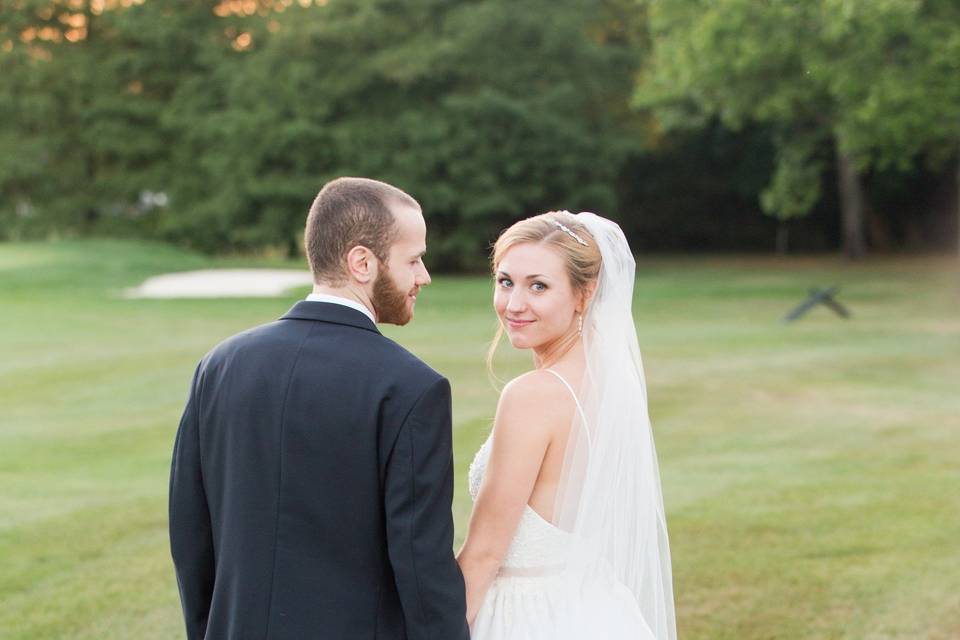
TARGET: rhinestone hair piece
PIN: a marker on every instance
(567, 230)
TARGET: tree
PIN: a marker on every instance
(87, 85)
(33, 88)
(484, 111)
(873, 79)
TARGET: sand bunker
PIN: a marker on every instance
(222, 283)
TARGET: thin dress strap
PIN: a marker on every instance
(583, 416)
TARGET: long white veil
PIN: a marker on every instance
(609, 497)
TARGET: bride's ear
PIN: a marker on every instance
(586, 295)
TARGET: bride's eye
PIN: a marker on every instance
(538, 287)
(504, 282)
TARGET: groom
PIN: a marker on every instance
(312, 474)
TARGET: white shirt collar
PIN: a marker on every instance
(353, 304)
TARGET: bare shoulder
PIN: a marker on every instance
(532, 383)
(535, 401)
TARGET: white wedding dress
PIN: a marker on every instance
(538, 594)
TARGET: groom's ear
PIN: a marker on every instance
(362, 265)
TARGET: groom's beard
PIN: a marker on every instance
(389, 302)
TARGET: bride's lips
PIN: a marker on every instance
(518, 324)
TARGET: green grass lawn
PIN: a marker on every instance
(811, 472)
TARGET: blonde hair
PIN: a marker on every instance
(572, 241)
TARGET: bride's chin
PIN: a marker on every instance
(518, 343)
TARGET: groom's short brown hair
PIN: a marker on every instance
(346, 213)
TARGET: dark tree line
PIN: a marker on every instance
(700, 125)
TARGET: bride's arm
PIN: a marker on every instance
(523, 428)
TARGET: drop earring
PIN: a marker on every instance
(580, 324)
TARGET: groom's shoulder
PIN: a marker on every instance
(269, 332)
(376, 350)
(258, 342)
(404, 363)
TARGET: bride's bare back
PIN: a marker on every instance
(544, 494)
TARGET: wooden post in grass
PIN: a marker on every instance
(818, 296)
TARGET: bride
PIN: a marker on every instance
(568, 536)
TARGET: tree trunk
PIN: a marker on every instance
(878, 232)
(783, 238)
(851, 203)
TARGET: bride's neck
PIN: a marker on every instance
(562, 349)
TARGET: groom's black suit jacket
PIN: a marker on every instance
(311, 487)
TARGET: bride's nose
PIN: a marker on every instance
(516, 302)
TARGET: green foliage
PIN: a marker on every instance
(876, 78)
(485, 112)
(89, 136)
(795, 186)
(180, 120)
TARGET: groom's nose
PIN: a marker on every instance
(423, 278)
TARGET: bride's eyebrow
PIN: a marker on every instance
(532, 276)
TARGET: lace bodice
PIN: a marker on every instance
(536, 543)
